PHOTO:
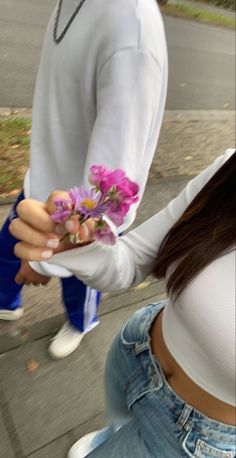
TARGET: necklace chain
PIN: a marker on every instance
(56, 38)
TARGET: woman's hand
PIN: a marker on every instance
(39, 235)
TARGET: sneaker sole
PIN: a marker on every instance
(57, 357)
(11, 315)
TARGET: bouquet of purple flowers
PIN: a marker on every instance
(109, 200)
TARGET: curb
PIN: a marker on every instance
(6, 112)
(170, 115)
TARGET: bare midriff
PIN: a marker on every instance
(184, 387)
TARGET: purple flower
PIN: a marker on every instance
(63, 210)
(118, 191)
(103, 178)
(104, 234)
(86, 202)
(97, 173)
(127, 189)
(121, 197)
(114, 212)
(111, 179)
(112, 196)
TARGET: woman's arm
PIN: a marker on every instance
(110, 268)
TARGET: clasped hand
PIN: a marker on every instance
(39, 236)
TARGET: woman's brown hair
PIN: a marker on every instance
(206, 229)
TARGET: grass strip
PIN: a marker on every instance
(14, 153)
(195, 13)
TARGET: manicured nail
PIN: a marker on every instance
(53, 243)
(69, 225)
(46, 254)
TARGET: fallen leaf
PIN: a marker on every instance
(32, 366)
(142, 285)
(178, 116)
(14, 192)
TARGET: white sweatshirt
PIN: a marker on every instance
(100, 95)
(198, 328)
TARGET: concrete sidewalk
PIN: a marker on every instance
(43, 411)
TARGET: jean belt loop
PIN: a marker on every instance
(184, 417)
(140, 347)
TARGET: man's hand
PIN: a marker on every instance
(28, 276)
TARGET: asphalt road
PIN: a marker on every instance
(201, 58)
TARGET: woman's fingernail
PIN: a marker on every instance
(53, 243)
(69, 225)
(46, 254)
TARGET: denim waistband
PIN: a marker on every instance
(136, 334)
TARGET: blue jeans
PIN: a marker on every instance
(81, 302)
(149, 418)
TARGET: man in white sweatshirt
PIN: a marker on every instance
(99, 99)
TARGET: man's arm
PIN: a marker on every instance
(130, 87)
(130, 96)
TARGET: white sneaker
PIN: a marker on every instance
(11, 315)
(65, 341)
(88, 443)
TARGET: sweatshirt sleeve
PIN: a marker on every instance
(129, 96)
(129, 88)
(131, 259)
